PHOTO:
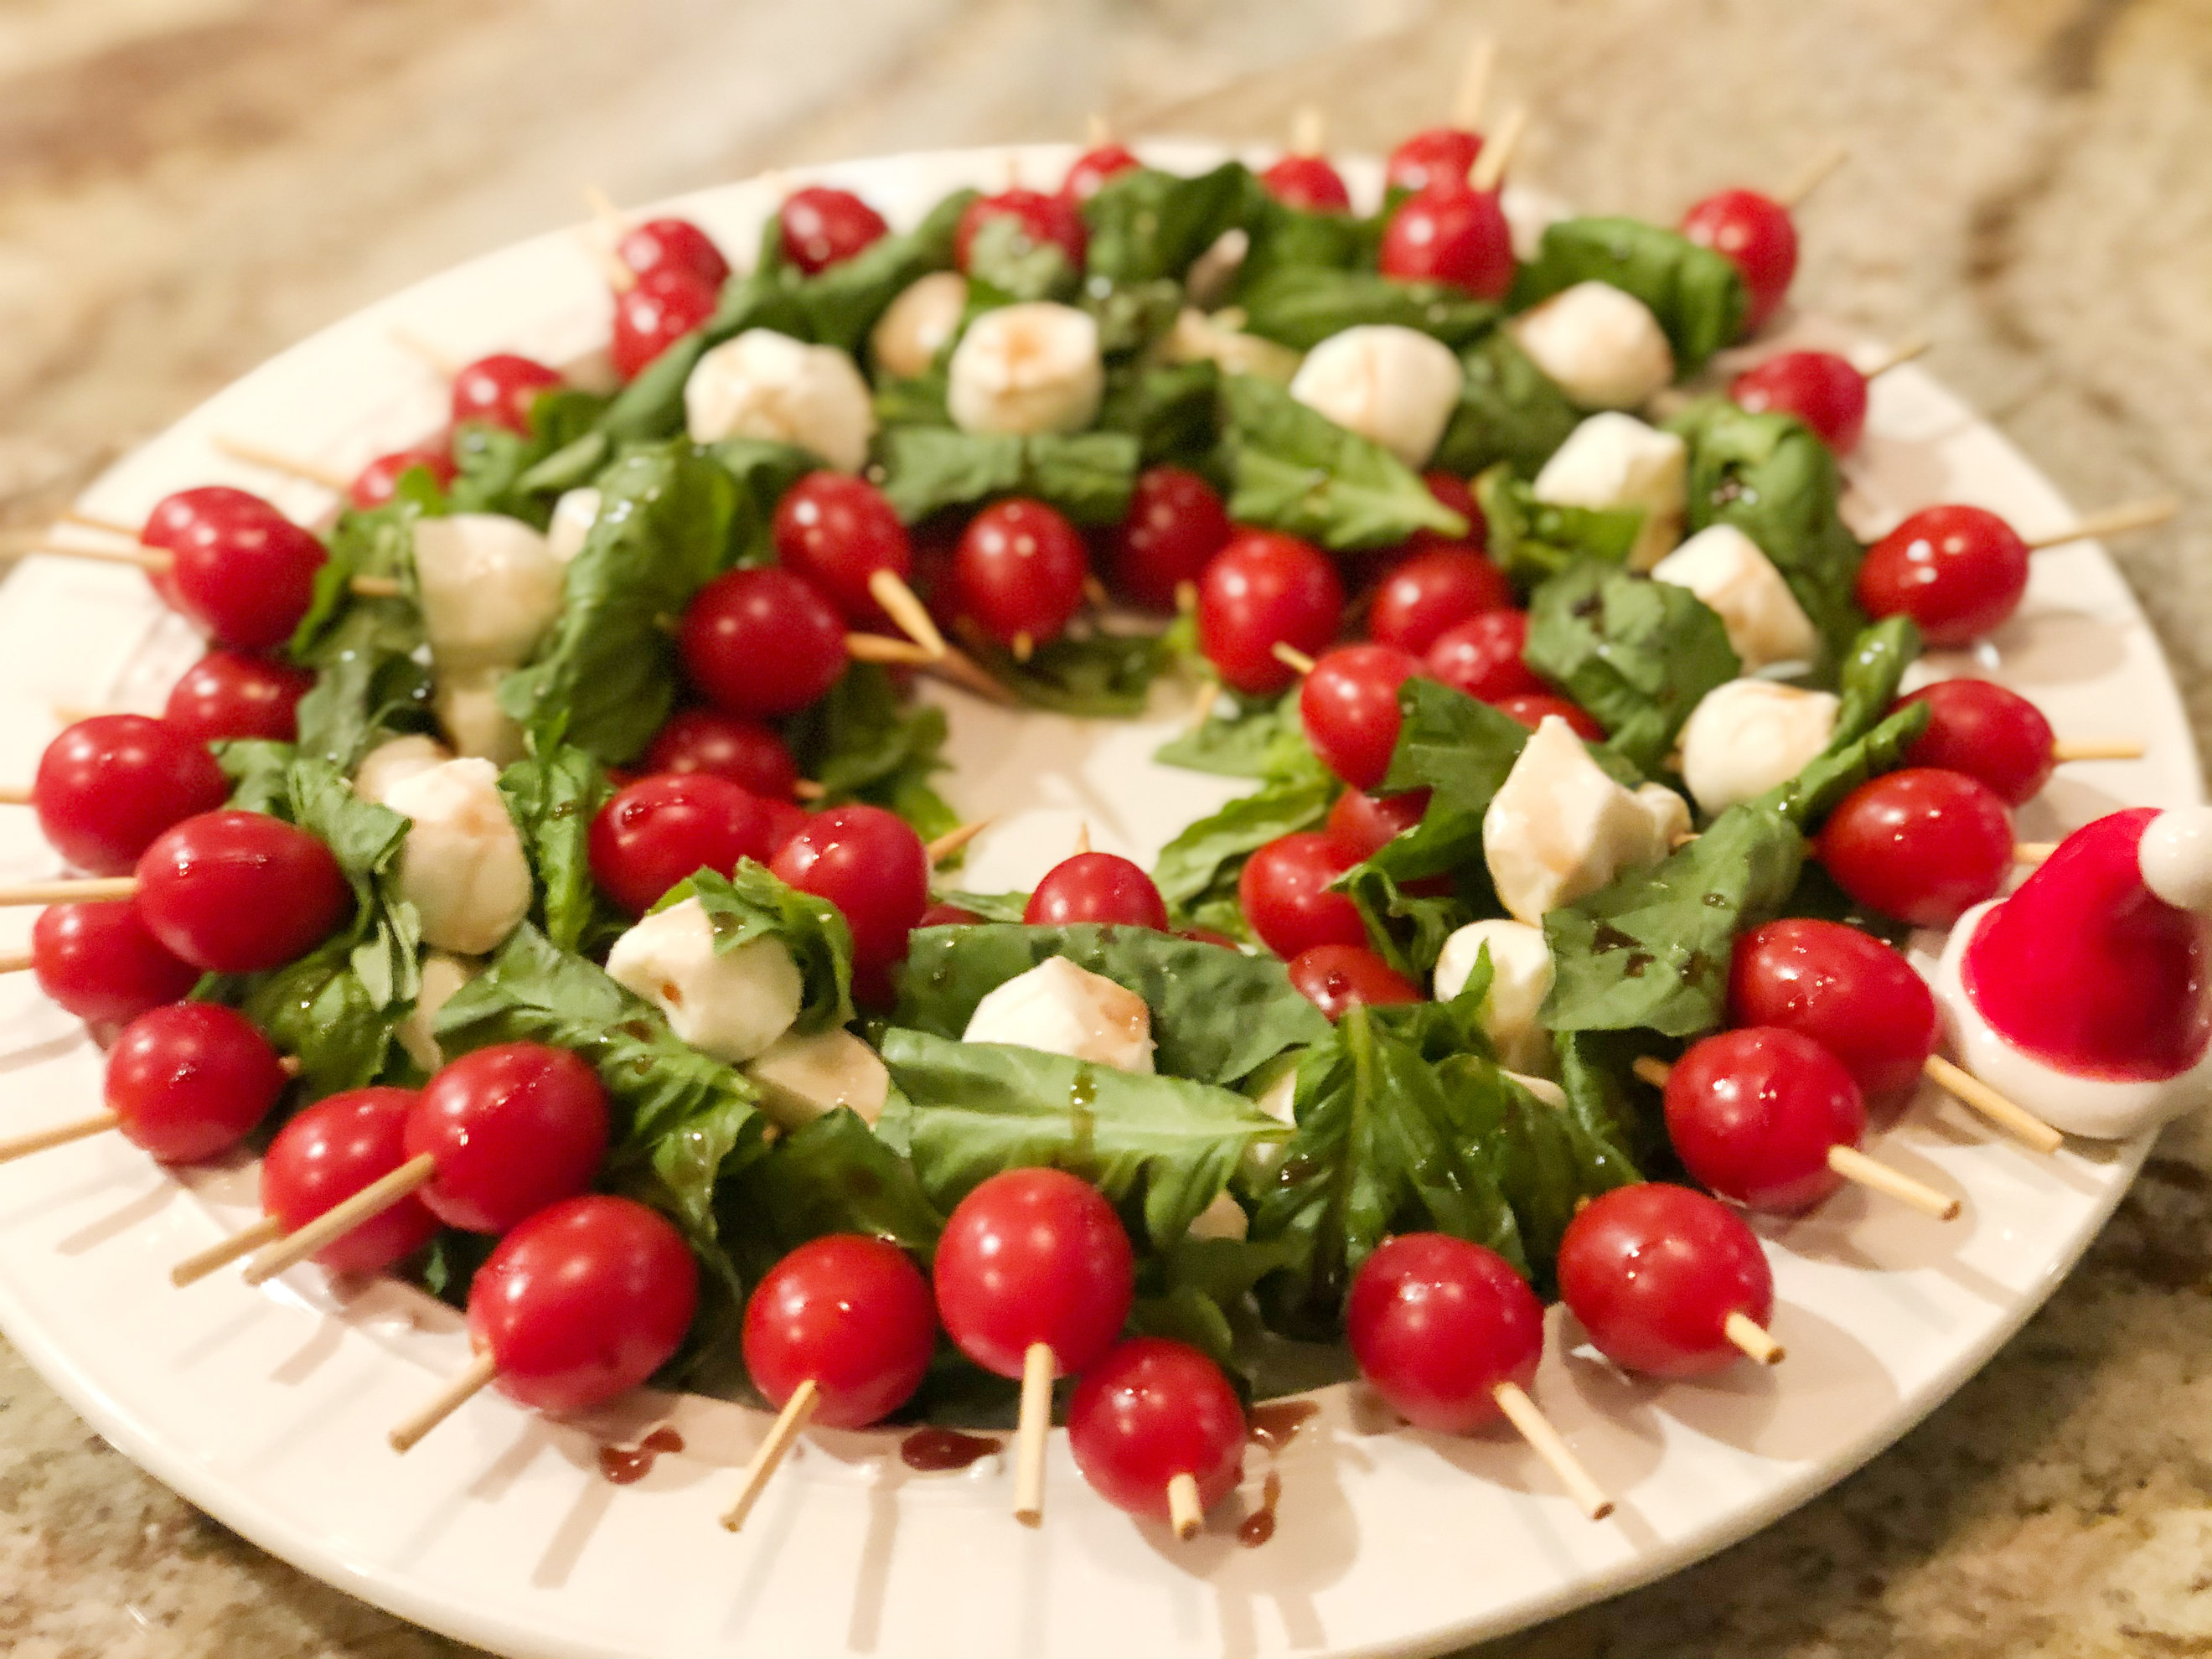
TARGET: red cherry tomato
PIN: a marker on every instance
(1175, 524)
(1759, 239)
(1922, 845)
(853, 1316)
(1481, 657)
(1433, 593)
(660, 245)
(1210, 936)
(1437, 1324)
(665, 828)
(379, 481)
(1333, 977)
(1148, 1412)
(512, 1128)
(1530, 708)
(229, 695)
(1959, 572)
(107, 786)
(1450, 233)
(190, 516)
(190, 1079)
(500, 390)
(1307, 182)
(761, 643)
(948, 915)
(249, 581)
(1264, 589)
(1019, 569)
(1090, 171)
(329, 1152)
(1350, 706)
(871, 866)
(1653, 1272)
(838, 531)
(744, 752)
(785, 819)
(1359, 824)
(655, 312)
(1096, 887)
(583, 1300)
(237, 892)
(1753, 1114)
(1038, 217)
(101, 963)
(1846, 990)
(1986, 732)
(1432, 155)
(1819, 388)
(1030, 1256)
(1284, 891)
(823, 226)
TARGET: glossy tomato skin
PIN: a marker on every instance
(1360, 825)
(1987, 732)
(1450, 233)
(1096, 887)
(1284, 891)
(1481, 657)
(1819, 388)
(102, 963)
(583, 1300)
(1264, 588)
(660, 245)
(1432, 155)
(1751, 1114)
(1040, 219)
(1019, 569)
(838, 532)
(1175, 524)
(1349, 704)
(502, 390)
(379, 481)
(1150, 1410)
(192, 518)
(1756, 233)
(664, 829)
(1090, 171)
(107, 786)
(330, 1152)
(948, 915)
(728, 746)
(871, 866)
(190, 1080)
(1307, 182)
(1437, 1324)
(1959, 572)
(823, 226)
(513, 1127)
(852, 1315)
(248, 585)
(1530, 708)
(1432, 593)
(1028, 1257)
(1652, 1271)
(230, 694)
(655, 312)
(1333, 977)
(1923, 845)
(237, 892)
(1846, 990)
(761, 643)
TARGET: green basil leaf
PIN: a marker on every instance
(831, 1175)
(1172, 410)
(752, 902)
(494, 463)
(1510, 412)
(765, 470)
(1408, 930)
(1697, 294)
(1808, 797)
(1462, 752)
(1261, 737)
(320, 1011)
(553, 796)
(1203, 862)
(1604, 1094)
(1295, 469)
(260, 774)
(1872, 671)
(990, 907)
(1131, 316)
(1097, 674)
(1145, 225)
(370, 658)
(1282, 238)
(1086, 474)
(860, 745)
(844, 301)
(1301, 305)
(1003, 254)
(1532, 541)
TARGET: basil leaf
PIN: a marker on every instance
(1171, 410)
(1095, 674)
(1510, 412)
(260, 774)
(841, 302)
(553, 797)
(1262, 737)
(1003, 254)
(1604, 1094)
(918, 400)
(1131, 316)
(1086, 474)
(831, 1175)
(764, 470)
(750, 903)
(370, 657)
(860, 745)
(1697, 294)
(1283, 238)
(1872, 671)
(1531, 540)
(1809, 797)
(1204, 861)
(493, 461)
(320, 1011)
(1301, 305)
(1144, 224)
(1459, 749)
(990, 907)
(1408, 930)
(385, 938)
(1295, 469)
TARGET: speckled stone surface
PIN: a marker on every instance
(187, 185)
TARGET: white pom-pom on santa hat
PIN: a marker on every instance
(2176, 858)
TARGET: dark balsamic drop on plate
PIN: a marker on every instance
(624, 1466)
(934, 1451)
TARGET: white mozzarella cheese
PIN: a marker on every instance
(574, 515)
(442, 976)
(916, 326)
(462, 866)
(1600, 345)
(1198, 336)
(467, 706)
(1062, 1009)
(766, 384)
(1394, 386)
(490, 586)
(1223, 1219)
(1030, 368)
(1543, 1088)
(1747, 736)
(1615, 460)
(1559, 827)
(804, 1077)
(1738, 583)
(388, 763)
(731, 1004)
(1520, 980)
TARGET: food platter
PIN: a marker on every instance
(269, 1408)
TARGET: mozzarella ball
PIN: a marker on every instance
(1032, 367)
(462, 866)
(1394, 386)
(1559, 827)
(803, 1077)
(388, 763)
(1725, 569)
(442, 976)
(732, 1005)
(1208, 280)
(766, 384)
(1745, 737)
(1223, 1219)
(467, 706)
(1520, 980)
(1198, 337)
(490, 587)
(1614, 461)
(1062, 1009)
(1600, 345)
(1543, 1088)
(574, 515)
(916, 326)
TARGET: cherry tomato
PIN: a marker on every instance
(500, 390)
(1360, 825)
(1264, 589)
(853, 1316)
(192, 1079)
(762, 642)
(1653, 1272)
(583, 1300)
(102, 963)
(1996, 736)
(838, 531)
(1433, 593)
(1438, 1324)
(1284, 890)
(1350, 706)
(1096, 887)
(1030, 1256)
(1481, 657)
(329, 1152)
(1210, 936)
(871, 866)
(1090, 171)
(238, 892)
(249, 581)
(728, 746)
(1530, 708)
(512, 1128)
(1922, 845)
(785, 819)
(1153, 1409)
(1038, 218)
(665, 828)
(379, 481)
(1753, 1113)
(655, 311)
(1333, 977)
(1450, 233)
(1819, 388)
(1846, 990)
(1959, 572)
(107, 786)
(660, 245)
(1175, 524)
(1019, 569)
(1759, 239)
(227, 695)
(948, 915)
(1307, 182)
(178, 521)
(1432, 155)
(823, 226)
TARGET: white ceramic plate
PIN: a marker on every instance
(269, 1408)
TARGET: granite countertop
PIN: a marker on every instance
(188, 186)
